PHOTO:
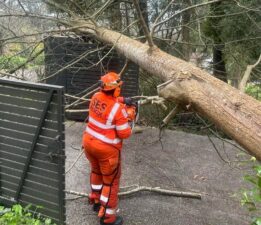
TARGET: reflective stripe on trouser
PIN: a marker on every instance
(109, 195)
(109, 201)
(108, 214)
(96, 187)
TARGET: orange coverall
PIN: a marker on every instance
(102, 141)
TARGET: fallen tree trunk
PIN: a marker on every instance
(236, 113)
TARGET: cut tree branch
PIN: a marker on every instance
(158, 190)
(172, 114)
(151, 100)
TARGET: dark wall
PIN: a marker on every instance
(78, 63)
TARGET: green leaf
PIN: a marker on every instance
(48, 221)
(259, 183)
(257, 221)
(27, 207)
(250, 179)
(17, 209)
(258, 170)
(256, 196)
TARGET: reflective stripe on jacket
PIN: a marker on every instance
(108, 120)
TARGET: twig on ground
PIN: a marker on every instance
(218, 136)
(75, 148)
(162, 191)
(158, 190)
(72, 199)
(220, 156)
(130, 186)
(78, 157)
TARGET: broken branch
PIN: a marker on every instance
(152, 100)
(158, 190)
(172, 113)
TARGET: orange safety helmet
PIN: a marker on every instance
(111, 81)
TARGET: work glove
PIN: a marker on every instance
(128, 101)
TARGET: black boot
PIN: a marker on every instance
(96, 207)
(118, 221)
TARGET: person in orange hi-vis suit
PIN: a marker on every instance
(102, 142)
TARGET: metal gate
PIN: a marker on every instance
(32, 153)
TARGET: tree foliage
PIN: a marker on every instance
(251, 198)
(237, 26)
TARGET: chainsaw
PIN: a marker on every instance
(133, 113)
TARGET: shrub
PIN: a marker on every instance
(254, 90)
(251, 198)
(22, 216)
(11, 62)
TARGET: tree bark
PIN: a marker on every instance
(186, 49)
(219, 67)
(1, 44)
(236, 113)
(214, 31)
(144, 10)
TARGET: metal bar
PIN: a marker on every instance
(6, 201)
(61, 163)
(38, 86)
(34, 142)
(0, 178)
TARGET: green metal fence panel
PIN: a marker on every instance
(32, 156)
